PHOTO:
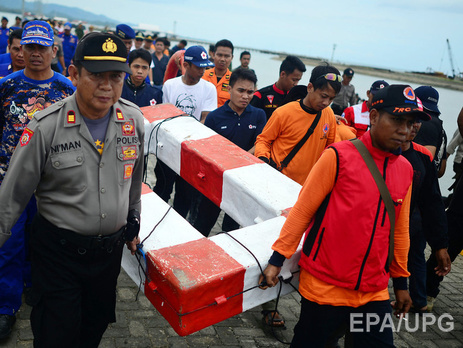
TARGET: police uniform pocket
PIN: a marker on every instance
(127, 156)
(70, 172)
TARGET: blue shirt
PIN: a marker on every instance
(20, 98)
(242, 129)
(5, 58)
(4, 32)
(69, 47)
(5, 70)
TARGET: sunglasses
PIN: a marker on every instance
(331, 77)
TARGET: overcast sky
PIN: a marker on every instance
(406, 35)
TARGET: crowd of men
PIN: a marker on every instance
(65, 119)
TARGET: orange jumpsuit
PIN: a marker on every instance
(222, 85)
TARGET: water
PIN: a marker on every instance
(267, 71)
(450, 101)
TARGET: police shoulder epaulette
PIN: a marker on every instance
(128, 103)
(52, 108)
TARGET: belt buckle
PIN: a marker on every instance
(99, 241)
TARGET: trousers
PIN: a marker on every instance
(15, 268)
(319, 324)
(73, 287)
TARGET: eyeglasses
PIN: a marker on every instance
(331, 77)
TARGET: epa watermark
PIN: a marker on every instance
(366, 322)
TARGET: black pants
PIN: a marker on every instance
(185, 194)
(207, 217)
(74, 288)
(455, 233)
(318, 325)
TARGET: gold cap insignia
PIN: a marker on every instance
(109, 46)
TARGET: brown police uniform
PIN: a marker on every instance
(84, 199)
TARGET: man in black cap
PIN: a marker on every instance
(148, 43)
(432, 134)
(346, 97)
(358, 116)
(138, 43)
(351, 247)
(83, 158)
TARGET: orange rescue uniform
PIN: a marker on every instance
(319, 184)
(222, 85)
(287, 126)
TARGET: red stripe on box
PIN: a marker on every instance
(160, 112)
(204, 161)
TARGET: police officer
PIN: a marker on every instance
(83, 156)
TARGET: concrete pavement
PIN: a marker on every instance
(140, 325)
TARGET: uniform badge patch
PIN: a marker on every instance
(409, 93)
(128, 128)
(152, 102)
(109, 46)
(119, 115)
(270, 98)
(26, 137)
(129, 152)
(326, 128)
(128, 170)
(71, 117)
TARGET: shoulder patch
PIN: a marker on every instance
(26, 137)
(71, 117)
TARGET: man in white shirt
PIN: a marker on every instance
(196, 97)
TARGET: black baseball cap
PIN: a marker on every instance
(377, 85)
(399, 100)
(349, 72)
(100, 52)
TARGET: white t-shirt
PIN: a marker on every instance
(190, 99)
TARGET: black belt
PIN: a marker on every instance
(82, 241)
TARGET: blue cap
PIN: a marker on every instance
(429, 97)
(125, 32)
(68, 26)
(198, 56)
(37, 32)
(4, 19)
(11, 29)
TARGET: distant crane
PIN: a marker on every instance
(451, 59)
